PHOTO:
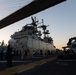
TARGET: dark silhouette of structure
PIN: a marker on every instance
(28, 10)
(70, 40)
(1, 55)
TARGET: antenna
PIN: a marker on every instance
(42, 21)
(35, 18)
(32, 19)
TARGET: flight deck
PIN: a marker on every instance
(39, 65)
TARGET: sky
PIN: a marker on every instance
(61, 20)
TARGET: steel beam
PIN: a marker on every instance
(28, 10)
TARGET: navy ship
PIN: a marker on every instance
(30, 38)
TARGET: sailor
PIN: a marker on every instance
(9, 53)
(9, 56)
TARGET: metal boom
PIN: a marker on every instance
(28, 10)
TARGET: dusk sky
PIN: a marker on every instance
(60, 18)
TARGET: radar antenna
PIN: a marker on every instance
(34, 21)
(43, 27)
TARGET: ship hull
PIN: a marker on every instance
(34, 45)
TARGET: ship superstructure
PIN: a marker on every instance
(30, 38)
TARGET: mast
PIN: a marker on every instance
(44, 28)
